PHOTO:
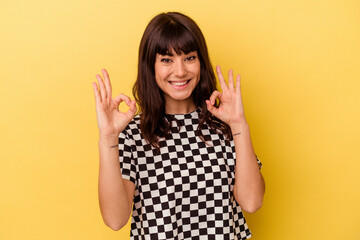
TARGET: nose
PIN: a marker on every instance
(180, 69)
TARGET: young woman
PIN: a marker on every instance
(177, 173)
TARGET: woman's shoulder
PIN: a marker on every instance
(133, 127)
(135, 122)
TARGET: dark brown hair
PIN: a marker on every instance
(175, 31)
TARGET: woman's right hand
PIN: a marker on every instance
(110, 120)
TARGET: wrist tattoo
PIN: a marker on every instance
(236, 134)
(114, 146)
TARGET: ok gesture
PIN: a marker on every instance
(231, 110)
(110, 120)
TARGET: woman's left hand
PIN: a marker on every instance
(231, 110)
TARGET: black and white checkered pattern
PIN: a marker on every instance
(185, 192)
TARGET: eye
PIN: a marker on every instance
(190, 58)
(165, 60)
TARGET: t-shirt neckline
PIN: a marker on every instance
(185, 115)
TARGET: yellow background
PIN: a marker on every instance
(299, 62)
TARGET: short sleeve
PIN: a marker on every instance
(259, 162)
(127, 162)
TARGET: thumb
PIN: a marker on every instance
(132, 109)
(211, 108)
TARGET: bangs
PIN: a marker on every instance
(175, 36)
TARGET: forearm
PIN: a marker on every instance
(113, 197)
(249, 185)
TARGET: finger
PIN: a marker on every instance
(238, 86)
(231, 80)
(107, 83)
(117, 101)
(214, 95)
(102, 87)
(122, 97)
(132, 109)
(97, 94)
(222, 82)
(211, 108)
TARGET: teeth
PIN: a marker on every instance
(179, 83)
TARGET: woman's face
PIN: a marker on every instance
(177, 75)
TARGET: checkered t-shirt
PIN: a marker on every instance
(185, 191)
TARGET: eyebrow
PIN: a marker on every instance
(171, 54)
(167, 54)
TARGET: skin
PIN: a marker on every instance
(249, 187)
(177, 68)
(116, 194)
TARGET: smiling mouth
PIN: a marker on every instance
(179, 83)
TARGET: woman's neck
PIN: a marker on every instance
(179, 107)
